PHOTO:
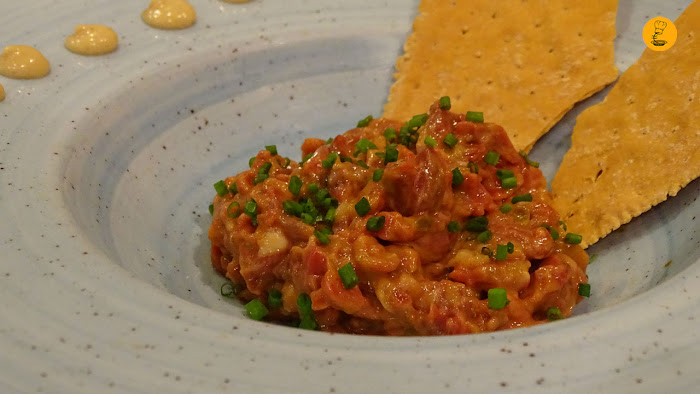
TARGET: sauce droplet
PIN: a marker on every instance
(169, 14)
(92, 40)
(23, 62)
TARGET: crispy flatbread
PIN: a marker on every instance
(523, 63)
(640, 145)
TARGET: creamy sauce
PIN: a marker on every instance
(92, 40)
(2, 93)
(23, 62)
(169, 14)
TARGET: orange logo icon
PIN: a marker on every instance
(659, 34)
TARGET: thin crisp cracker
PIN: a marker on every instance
(640, 145)
(523, 63)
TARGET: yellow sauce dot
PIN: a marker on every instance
(169, 14)
(23, 62)
(2, 93)
(92, 40)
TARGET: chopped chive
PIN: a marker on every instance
(312, 188)
(457, 177)
(251, 161)
(563, 225)
(304, 304)
(235, 213)
(272, 149)
(362, 207)
(552, 231)
(307, 218)
(292, 207)
(328, 141)
(501, 252)
(221, 188)
(474, 116)
(263, 172)
(377, 175)
(392, 154)
(390, 134)
(572, 238)
(274, 298)
(497, 298)
(234, 188)
(363, 145)
(295, 185)
(362, 164)
(227, 290)
(251, 209)
(450, 140)
(348, 276)
(322, 237)
(484, 236)
(380, 155)
(473, 167)
(211, 209)
(305, 159)
(527, 197)
(365, 122)
(404, 136)
(417, 121)
(287, 161)
(330, 215)
(584, 289)
(487, 251)
(445, 103)
(492, 158)
(505, 208)
(376, 223)
(593, 258)
(509, 183)
(502, 174)
(511, 247)
(477, 224)
(329, 203)
(308, 323)
(528, 161)
(453, 227)
(554, 313)
(256, 309)
(329, 160)
(346, 159)
(430, 141)
(322, 194)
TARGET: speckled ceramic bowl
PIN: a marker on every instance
(106, 168)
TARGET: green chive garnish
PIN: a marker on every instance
(329, 160)
(363, 145)
(505, 208)
(392, 154)
(263, 173)
(305, 159)
(211, 209)
(484, 236)
(511, 247)
(473, 116)
(234, 188)
(295, 185)
(457, 177)
(274, 298)
(450, 140)
(256, 309)
(377, 175)
(486, 251)
(509, 183)
(528, 161)
(308, 323)
(430, 141)
(221, 188)
(572, 238)
(501, 252)
(492, 158)
(502, 174)
(251, 161)
(304, 304)
(365, 122)
(293, 208)
(348, 276)
(473, 167)
(251, 209)
(390, 134)
(345, 159)
(497, 298)
(553, 314)
(417, 121)
(445, 103)
(362, 164)
(477, 224)
(584, 289)
(234, 210)
(272, 149)
(552, 231)
(527, 197)
(453, 227)
(322, 238)
(376, 223)
(312, 188)
(330, 215)
(329, 141)
(362, 207)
